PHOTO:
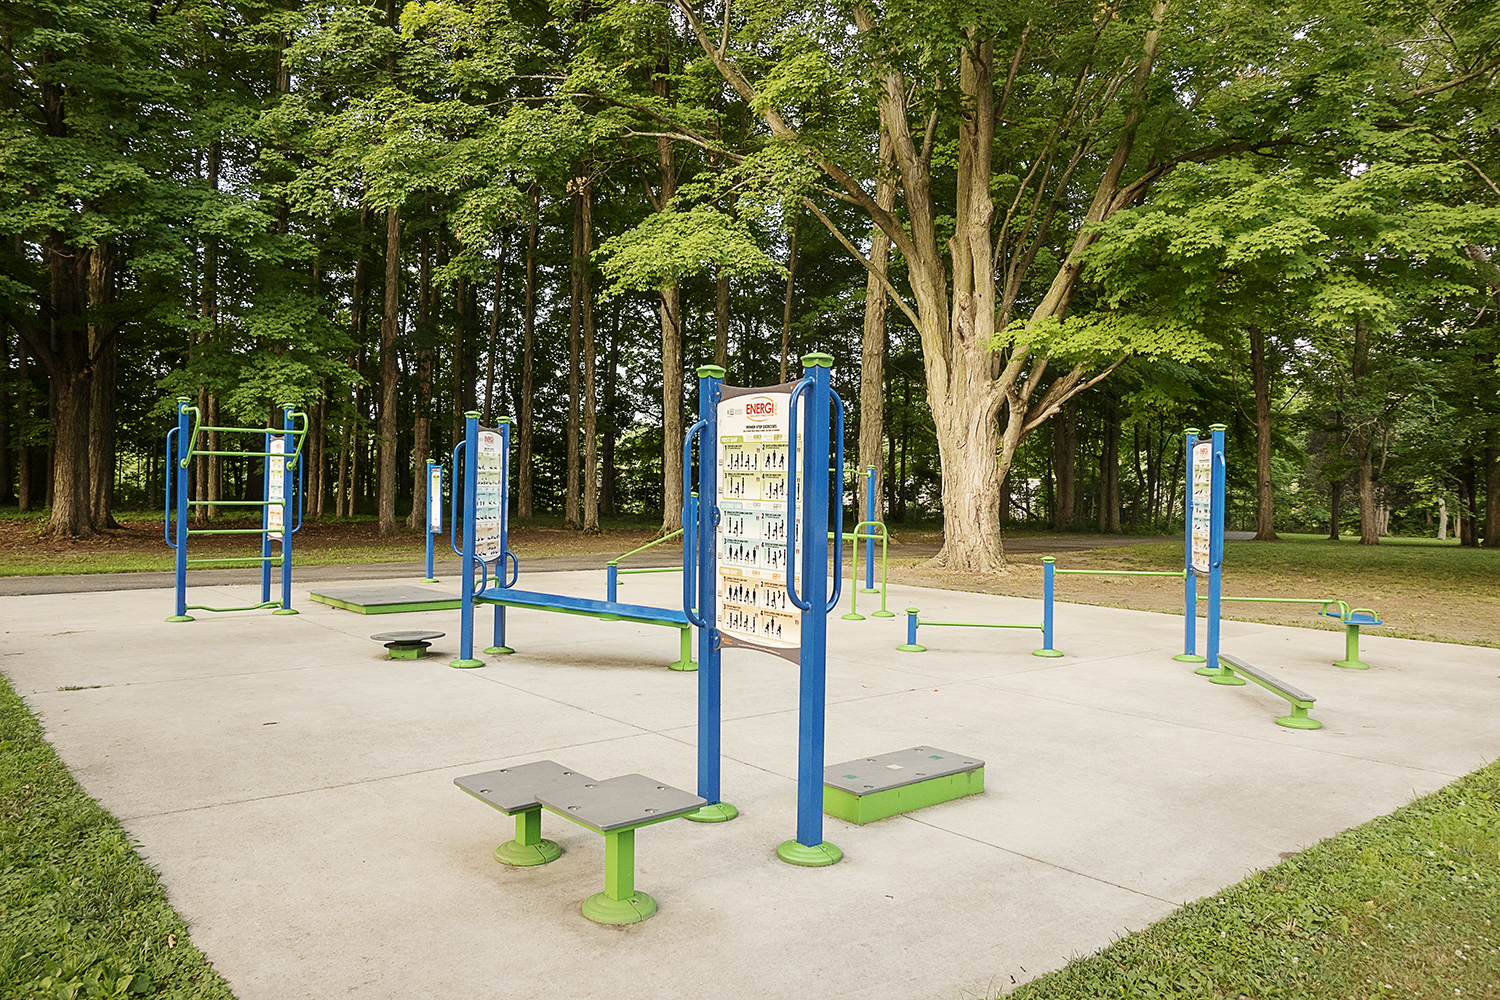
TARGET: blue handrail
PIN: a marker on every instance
(791, 498)
(690, 538)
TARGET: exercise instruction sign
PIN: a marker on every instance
(753, 606)
(1203, 478)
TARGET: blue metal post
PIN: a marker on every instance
(289, 506)
(1215, 542)
(612, 579)
(466, 564)
(434, 503)
(1189, 652)
(870, 542)
(179, 473)
(700, 517)
(265, 520)
(1048, 578)
(499, 648)
(911, 645)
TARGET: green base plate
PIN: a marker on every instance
(602, 910)
(498, 651)
(1190, 658)
(429, 579)
(882, 614)
(465, 664)
(795, 853)
(1207, 671)
(286, 611)
(868, 590)
(907, 647)
(1226, 678)
(524, 856)
(716, 812)
(1046, 652)
(1294, 722)
(407, 654)
(1346, 664)
(687, 666)
(852, 617)
(180, 618)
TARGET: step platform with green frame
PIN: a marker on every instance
(870, 788)
(386, 600)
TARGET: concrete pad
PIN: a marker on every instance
(294, 787)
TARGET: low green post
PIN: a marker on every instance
(910, 645)
(529, 848)
(685, 659)
(1351, 660)
(619, 903)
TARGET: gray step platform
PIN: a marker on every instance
(386, 600)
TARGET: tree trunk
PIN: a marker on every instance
(1365, 437)
(786, 307)
(1492, 489)
(670, 310)
(1468, 512)
(1064, 467)
(1335, 509)
(572, 519)
(1109, 468)
(608, 505)
(721, 321)
(421, 445)
(489, 359)
(528, 351)
(389, 325)
(590, 391)
(872, 343)
(1260, 376)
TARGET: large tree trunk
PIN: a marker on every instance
(1260, 377)
(421, 445)
(670, 310)
(528, 351)
(389, 325)
(1492, 489)
(786, 304)
(1364, 441)
(872, 343)
(721, 321)
(1065, 467)
(104, 348)
(572, 519)
(590, 390)
(1335, 509)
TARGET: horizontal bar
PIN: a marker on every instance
(229, 531)
(252, 430)
(664, 569)
(649, 545)
(1179, 574)
(242, 454)
(236, 502)
(1274, 600)
(248, 607)
(274, 560)
(923, 621)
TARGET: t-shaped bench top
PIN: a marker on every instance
(631, 800)
(518, 789)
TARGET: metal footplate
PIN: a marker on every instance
(870, 788)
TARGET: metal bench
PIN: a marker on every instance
(1353, 619)
(609, 611)
(614, 808)
(1233, 670)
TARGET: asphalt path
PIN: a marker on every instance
(15, 586)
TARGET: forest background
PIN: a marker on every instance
(1038, 238)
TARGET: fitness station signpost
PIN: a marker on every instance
(1203, 543)
(434, 511)
(760, 523)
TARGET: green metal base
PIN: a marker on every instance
(794, 853)
(1046, 652)
(1299, 722)
(465, 664)
(601, 909)
(1190, 658)
(1222, 676)
(429, 579)
(685, 665)
(407, 654)
(498, 650)
(519, 855)
(181, 618)
(715, 812)
(882, 614)
(286, 611)
(852, 617)
(1207, 671)
(1346, 664)
(907, 647)
(867, 808)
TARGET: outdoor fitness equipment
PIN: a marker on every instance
(869, 530)
(283, 483)
(755, 566)
(434, 512)
(484, 458)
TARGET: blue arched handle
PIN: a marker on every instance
(691, 536)
(791, 498)
(837, 500)
(453, 502)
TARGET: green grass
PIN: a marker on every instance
(81, 915)
(1407, 905)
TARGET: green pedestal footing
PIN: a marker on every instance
(465, 664)
(868, 590)
(686, 665)
(180, 618)
(497, 651)
(907, 647)
(519, 855)
(1190, 658)
(632, 909)
(407, 654)
(714, 812)
(609, 618)
(1207, 671)
(1046, 652)
(1223, 677)
(429, 579)
(795, 853)
(852, 617)
(882, 614)
(286, 611)
(1346, 664)
(1299, 722)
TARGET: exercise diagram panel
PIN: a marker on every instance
(753, 608)
(489, 479)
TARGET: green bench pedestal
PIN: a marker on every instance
(870, 788)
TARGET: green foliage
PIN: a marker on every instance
(80, 914)
(669, 246)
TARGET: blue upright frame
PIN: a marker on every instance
(1217, 469)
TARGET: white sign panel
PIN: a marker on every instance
(489, 477)
(276, 488)
(435, 499)
(753, 606)
(1202, 504)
